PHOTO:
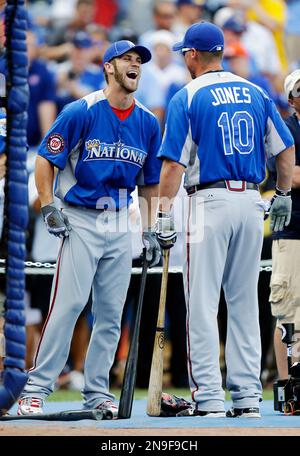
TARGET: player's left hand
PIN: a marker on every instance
(280, 210)
(153, 251)
(165, 230)
(56, 222)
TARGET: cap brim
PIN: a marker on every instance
(143, 52)
(178, 46)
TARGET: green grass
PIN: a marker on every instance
(66, 396)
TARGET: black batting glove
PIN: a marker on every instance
(280, 210)
(153, 251)
(57, 222)
(165, 230)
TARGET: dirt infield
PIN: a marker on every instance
(62, 431)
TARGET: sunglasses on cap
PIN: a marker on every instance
(185, 50)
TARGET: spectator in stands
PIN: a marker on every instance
(139, 15)
(163, 70)
(59, 35)
(60, 11)
(292, 31)
(78, 76)
(106, 12)
(233, 25)
(272, 15)
(41, 109)
(174, 87)
(251, 34)
(153, 99)
(100, 42)
(237, 27)
(83, 16)
(164, 15)
(237, 60)
(162, 63)
(188, 12)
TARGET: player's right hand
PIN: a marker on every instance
(56, 222)
(165, 230)
(280, 210)
(153, 252)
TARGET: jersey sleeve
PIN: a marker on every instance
(278, 136)
(65, 134)
(150, 172)
(177, 139)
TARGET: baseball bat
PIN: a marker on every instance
(67, 415)
(127, 392)
(156, 373)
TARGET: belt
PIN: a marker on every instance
(232, 186)
(78, 206)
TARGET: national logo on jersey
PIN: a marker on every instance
(55, 143)
(97, 150)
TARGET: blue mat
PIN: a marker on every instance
(140, 420)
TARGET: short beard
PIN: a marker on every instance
(120, 79)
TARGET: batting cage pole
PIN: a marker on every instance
(16, 205)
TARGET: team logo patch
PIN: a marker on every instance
(55, 143)
(117, 151)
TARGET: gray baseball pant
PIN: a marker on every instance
(97, 255)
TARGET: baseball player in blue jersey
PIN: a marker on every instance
(220, 128)
(103, 146)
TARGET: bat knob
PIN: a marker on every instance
(98, 414)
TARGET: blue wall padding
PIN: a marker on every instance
(17, 202)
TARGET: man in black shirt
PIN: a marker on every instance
(285, 280)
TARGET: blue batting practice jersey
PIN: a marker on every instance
(101, 158)
(220, 126)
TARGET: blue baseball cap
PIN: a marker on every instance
(203, 36)
(82, 40)
(121, 47)
(235, 24)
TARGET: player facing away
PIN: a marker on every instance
(103, 145)
(220, 128)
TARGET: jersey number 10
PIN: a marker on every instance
(237, 132)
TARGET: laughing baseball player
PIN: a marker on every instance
(220, 128)
(103, 146)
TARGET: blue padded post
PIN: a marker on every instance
(14, 377)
